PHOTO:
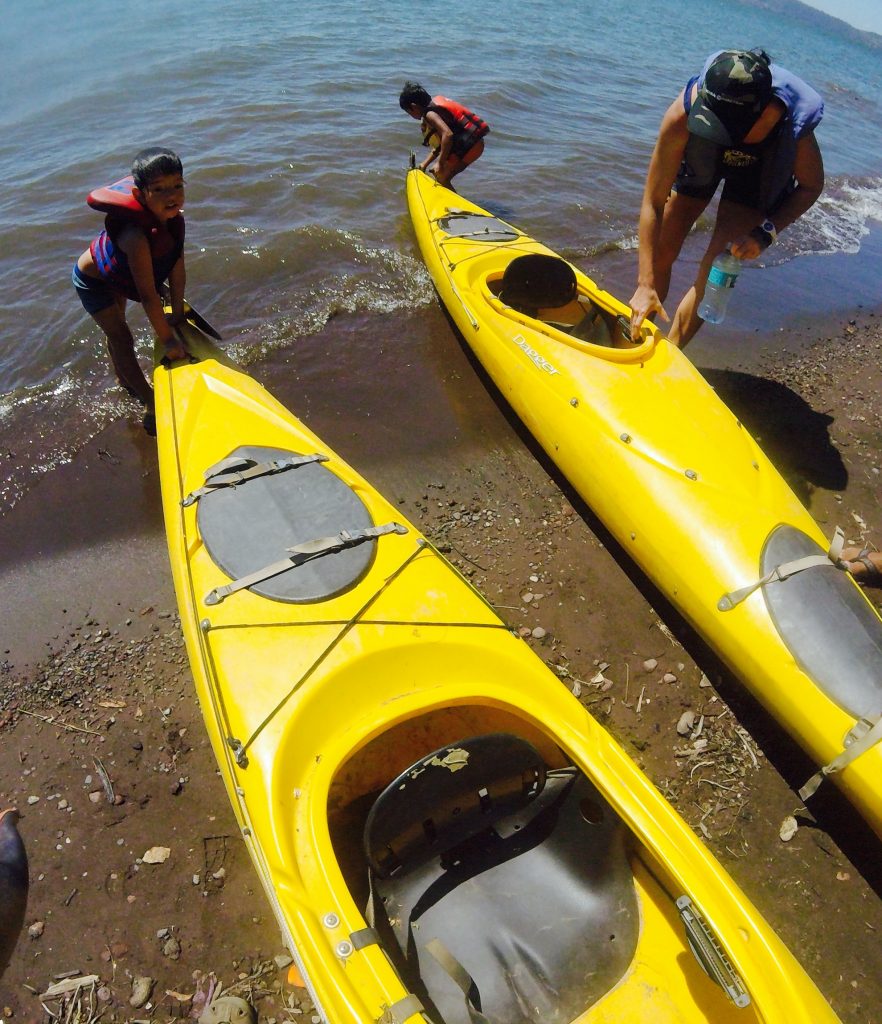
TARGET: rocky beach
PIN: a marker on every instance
(143, 902)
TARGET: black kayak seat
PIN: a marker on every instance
(535, 281)
(517, 873)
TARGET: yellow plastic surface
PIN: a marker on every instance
(333, 698)
(660, 459)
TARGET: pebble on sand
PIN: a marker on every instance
(141, 989)
(686, 723)
(789, 828)
(156, 855)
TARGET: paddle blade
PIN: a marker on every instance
(201, 324)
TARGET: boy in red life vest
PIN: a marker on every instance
(141, 247)
(454, 133)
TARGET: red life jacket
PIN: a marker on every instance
(122, 208)
(466, 126)
(119, 198)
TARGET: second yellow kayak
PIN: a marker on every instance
(676, 479)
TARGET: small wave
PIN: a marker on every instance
(294, 287)
(837, 222)
(45, 425)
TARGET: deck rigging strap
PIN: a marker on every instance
(860, 739)
(241, 749)
(403, 1010)
(301, 553)
(781, 572)
(234, 471)
(468, 312)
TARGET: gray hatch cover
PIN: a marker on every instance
(252, 525)
(831, 631)
(478, 227)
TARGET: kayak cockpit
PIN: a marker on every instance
(470, 850)
(544, 291)
(503, 886)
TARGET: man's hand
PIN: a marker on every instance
(644, 302)
(747, 248)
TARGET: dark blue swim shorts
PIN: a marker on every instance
(95, 295)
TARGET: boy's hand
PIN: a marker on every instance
(174, 350)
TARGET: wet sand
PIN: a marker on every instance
(90, 641)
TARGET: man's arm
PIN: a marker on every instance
(808, 169)
(666, 159)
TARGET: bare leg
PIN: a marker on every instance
(733, 220)
(458, 164)
(680, 213)
(121, 345)
(444, 178)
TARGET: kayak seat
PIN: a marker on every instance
(534, 281)
(545, 288)
(813, 612)
(503, 889)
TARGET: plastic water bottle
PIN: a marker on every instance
(720, 282)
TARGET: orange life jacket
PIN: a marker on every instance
(466, 126)
(119, 198)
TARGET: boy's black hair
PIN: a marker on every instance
(155, 162)
(414, 93)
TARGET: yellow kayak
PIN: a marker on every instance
(445, 835)
(676, 479)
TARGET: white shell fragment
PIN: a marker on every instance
(686, 723)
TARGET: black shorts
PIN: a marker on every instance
(736, 190)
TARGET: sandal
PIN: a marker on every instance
(873, 573)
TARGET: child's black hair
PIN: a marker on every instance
(155, 162)
(414, 93)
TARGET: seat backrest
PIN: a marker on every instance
(449, 796)
(535, 281)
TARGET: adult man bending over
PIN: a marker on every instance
(745, 121)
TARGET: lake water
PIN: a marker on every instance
(294, 148)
